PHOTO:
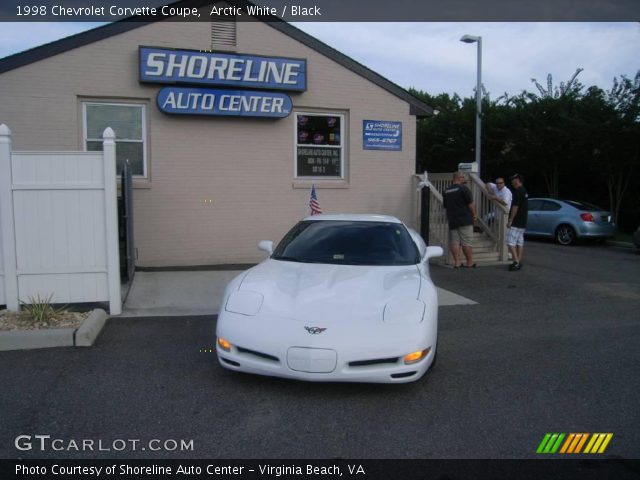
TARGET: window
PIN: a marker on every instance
(535, 205)
(128, 122)
(319, 145)
(585, 206)
(340, 242)
(551, 206)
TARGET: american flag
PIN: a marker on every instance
(313, 202)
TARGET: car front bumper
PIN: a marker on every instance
(387, 372)
(337, 355)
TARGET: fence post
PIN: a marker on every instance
(7, 225)
(111, 219)
(425, 211)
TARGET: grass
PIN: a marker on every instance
(40, 308)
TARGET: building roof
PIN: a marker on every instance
(417, 107)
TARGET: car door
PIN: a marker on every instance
(549, 217)
(533, 217)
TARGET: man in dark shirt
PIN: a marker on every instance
(461, 213)
(517, 221)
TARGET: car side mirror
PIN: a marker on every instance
(435, 251)
(266, 246)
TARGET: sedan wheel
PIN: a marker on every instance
(565, 235)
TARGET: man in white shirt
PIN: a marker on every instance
(499, 192)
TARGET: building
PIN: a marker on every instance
(226, 125)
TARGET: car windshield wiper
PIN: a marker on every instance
(295, 259)
(287, 259)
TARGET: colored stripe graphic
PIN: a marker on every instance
(598, 442)
(574, 443)
(543, 443)
(550, 443)
(565, 447)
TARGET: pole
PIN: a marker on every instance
(479, 104)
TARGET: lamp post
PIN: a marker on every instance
(478, 40)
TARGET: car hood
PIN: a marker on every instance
(311, 292)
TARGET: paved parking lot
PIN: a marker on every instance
(552, 348)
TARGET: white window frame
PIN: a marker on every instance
(143, 110)
(342, 145)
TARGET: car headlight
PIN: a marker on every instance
(415, 357)
(244, 302)
(224, 345)
(404, 310)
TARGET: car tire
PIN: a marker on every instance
(565, 235)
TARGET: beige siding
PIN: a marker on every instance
(244, 166)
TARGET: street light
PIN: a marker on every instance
(478, 40)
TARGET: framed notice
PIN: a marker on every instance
(319, 145)
(381, 135)
(318, 162)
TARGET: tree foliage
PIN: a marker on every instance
(568, 140)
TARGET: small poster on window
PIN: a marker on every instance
(318, 145)
(321, 162)
(381, 135)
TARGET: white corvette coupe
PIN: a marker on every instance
(342, 298)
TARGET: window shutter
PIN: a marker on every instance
(223, 35)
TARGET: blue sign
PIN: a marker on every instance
(160, 65)
(381, 135)
(235, 103)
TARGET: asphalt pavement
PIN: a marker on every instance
(551, 348)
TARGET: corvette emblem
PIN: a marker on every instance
(314, 330)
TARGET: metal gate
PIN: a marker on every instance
(127, 244)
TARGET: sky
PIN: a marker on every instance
(430, 57)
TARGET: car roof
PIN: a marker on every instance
(354, 217)
(548, 198)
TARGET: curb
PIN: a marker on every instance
(83, 336)
(87, 333)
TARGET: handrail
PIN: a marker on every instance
(438, 224)
(476, 180)
(492, 215)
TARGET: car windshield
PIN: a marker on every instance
(343, 242)
(586, 206)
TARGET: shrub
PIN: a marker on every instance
(40, 308)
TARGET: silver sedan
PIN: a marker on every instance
(567, 220)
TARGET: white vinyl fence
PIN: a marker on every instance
(59, 225)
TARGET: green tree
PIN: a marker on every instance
(617, 157)
(547, 132)
(567, 140)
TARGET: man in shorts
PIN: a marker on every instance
(461, 213)
(517, 222)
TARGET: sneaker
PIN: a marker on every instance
(514, 266)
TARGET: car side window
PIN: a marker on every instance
(535, 205)
(548, 206)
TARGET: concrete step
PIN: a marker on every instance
(485, 257)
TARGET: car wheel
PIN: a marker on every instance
(565, 235)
